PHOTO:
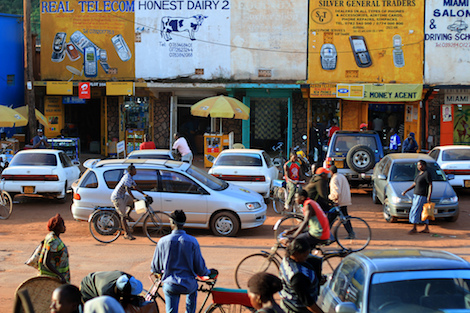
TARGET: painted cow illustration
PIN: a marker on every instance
(181, 24)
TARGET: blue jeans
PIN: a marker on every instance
(172, 298)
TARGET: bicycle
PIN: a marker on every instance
(270, 262)
(6, 205)
(279, 195)
(105, 223)
(356, 239)
(279, 160)
(224, 300)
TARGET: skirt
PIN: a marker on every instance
(416, 209)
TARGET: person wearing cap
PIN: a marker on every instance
(121, 286)
(340, 194)
(292, 176)
(40, 141)
(317, 188)
(410, 145)
(363, 127)
(314, 221)
(178, 260)
(124, 202)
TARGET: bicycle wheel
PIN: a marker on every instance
(228, 308)
(255, 263)
(154, 228)
(278, 199)
(6, 205)
(286, 223)
(356, 240)
(105, 226)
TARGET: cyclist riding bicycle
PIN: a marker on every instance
(315, 221)
(292, 170)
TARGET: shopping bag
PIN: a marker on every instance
(34, 258)
(428, 212)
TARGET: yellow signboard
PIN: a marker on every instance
(59, 88)
(119, 88)
(323, 91)
(381, 93)
(360, 41)
(54, 112)
(87, 40)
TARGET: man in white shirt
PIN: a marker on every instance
(340, 194)
(183, 148)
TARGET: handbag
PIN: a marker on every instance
(428, 212)
(34, 258)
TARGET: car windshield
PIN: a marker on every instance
(408, 172)
(443, 290)
(251, 159)
(345, 143)
(206, 179)
(34, 159)
(456, 155)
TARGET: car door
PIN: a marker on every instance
(381, 183)
(147, 181)
(68, 169)
(180, 192)
(273, 172)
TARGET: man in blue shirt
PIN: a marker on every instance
(395, 141)
(179, 260)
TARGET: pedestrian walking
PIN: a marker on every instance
(181, 145)
(54, 258)
(317, 188)
(340, 194)
(178, 259)
(292, 177)
(422, 193)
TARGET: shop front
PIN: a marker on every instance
(455, 117)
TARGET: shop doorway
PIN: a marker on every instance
(385, 119)
(268, 123)
(191, 127)
(84, 121)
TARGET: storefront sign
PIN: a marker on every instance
(72, 100)
(84, 90)
(323, 91)
(382, 92)
(350, 91)
(366, 41)
(447, 42)
(119, 88)
(457, 97)
(59, 88)
(54, 113)
(87, 40)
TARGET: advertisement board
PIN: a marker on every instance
(375, 41)
(87, 40)
(447, 42)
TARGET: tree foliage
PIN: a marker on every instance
(16, 7)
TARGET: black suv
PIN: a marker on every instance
(354, 153)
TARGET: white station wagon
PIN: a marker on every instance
(207, 201)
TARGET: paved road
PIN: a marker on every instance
(27, 226)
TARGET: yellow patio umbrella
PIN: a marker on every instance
(11, 118)
(221, 106)
(39, 116)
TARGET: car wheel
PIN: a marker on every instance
(374, 195)
(452, 218)
(225, 224)
(387, 215)
(360, 159)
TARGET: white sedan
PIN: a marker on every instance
(40, 172)
(249, 168)
(454, 160)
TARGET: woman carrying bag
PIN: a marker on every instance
(54, 259)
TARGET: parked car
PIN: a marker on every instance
(163, 154)
(40, 172)
(396, 172)
(454, 160)
(404, 280)
(207, 201)
(249, 168)
(354, 153)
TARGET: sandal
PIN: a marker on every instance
(129, 237)
(425, 231)
(411, 232)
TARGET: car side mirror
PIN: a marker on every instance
(346, 307)
(76, 163)
(450, 176)
(382, 177)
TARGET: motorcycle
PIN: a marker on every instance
(279, 160)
